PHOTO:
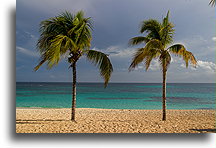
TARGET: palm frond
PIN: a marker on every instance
(40, 64)
(138, 57)
(68, 17)
(180, 50)
(212, 3)
(83, 32)
(102, 61)
(188, 56)
(167, 31)
(177, 49)
(56, 50)
(152, 27)
(166, 34)
(80, 15)
(65, 33)
(166, 19)
(150, 51)
(153, 53)
(138, 40)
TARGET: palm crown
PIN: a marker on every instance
(157, 45)
(70, 36)
(159, 37)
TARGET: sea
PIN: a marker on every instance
(116, 95)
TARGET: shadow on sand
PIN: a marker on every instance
(43, 120)
(205, 130)
(40, 121)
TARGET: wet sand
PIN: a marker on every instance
(88, 120)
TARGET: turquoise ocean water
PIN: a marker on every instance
(116, 95)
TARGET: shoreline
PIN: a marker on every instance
(90, 120)
(108, 108)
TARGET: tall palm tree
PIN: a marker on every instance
(158, 39)
(70, 36)
(212, 2)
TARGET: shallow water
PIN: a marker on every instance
(116, 95)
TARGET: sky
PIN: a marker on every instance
(115, 22)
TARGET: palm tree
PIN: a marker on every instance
(157, 40)
(70, 36)
(212, 2)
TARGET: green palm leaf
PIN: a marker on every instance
(158, 37)
(138, 57)
(138, 40)
(166, 32)
(70, 35)
(179, 50)
(40, 64)
(63, 34)
(151, 26)
(212, 3)
(150, 51)
(102, 61)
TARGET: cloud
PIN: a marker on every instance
(140, 67)
(214, 38)
(118, 51)
(123, 52)
(155, 65)
(203, 67)
(207, 66)
(113, 29)
(31, 35)
(27, 51)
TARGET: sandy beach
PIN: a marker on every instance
(88, 120)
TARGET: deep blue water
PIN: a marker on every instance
(116, 95)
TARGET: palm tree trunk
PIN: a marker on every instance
(74, 92)
(164, 93)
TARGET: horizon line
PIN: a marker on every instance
(109, 82)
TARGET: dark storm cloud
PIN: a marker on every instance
(115, 22)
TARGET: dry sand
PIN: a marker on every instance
(114, 121)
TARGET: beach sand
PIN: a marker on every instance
(88, 120)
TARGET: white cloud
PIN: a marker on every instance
(117, 51)
(113, 48)
(155, 65)
(121, 58)
(182, 65)
(121, 52)
(202, 67)
(214, 38)
(140, 67)
(207, 66)
(31, 35)
(27, 51)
